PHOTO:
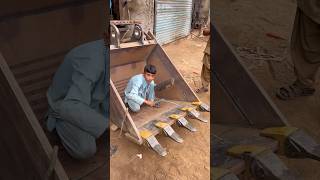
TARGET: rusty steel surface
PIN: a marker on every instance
(34, 41)
(245, 95)
(16, 8)
(25, 150)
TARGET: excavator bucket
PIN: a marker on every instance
(129, 53)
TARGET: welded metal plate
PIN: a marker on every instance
(246, 93)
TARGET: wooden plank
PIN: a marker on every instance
(25, 143)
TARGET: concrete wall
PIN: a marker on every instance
(139, 10)
(200, 13)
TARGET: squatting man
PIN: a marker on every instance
(79, 98)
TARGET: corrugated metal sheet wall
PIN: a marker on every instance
(173, 19)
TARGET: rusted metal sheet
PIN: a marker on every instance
(36, 44)
(16, 8)
(43, 36)
(225, 110)
(25, 150)
(34, 41)
(172, 19)
(244, 93)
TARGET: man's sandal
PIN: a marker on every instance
(293, 91)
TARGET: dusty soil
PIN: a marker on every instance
(186, 161)
(249, 24)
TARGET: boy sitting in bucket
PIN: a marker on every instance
(140, 89)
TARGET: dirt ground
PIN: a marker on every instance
(265, 27)
(186, 161)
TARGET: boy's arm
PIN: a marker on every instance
(151, 96)
(134, 93)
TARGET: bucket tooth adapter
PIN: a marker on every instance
(222, 174)
(153, 142)
(167, 129)
(193, 113)
(261, 163)
(183, 122)
(201, 106)
(294, 142)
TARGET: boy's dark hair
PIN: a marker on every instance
(149, 68)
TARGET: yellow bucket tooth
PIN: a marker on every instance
(153, 142)
(196, 103)
(174, 116)
(145, 134)
(183, 122)
(169, 131)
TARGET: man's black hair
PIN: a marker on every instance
(149, 68)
